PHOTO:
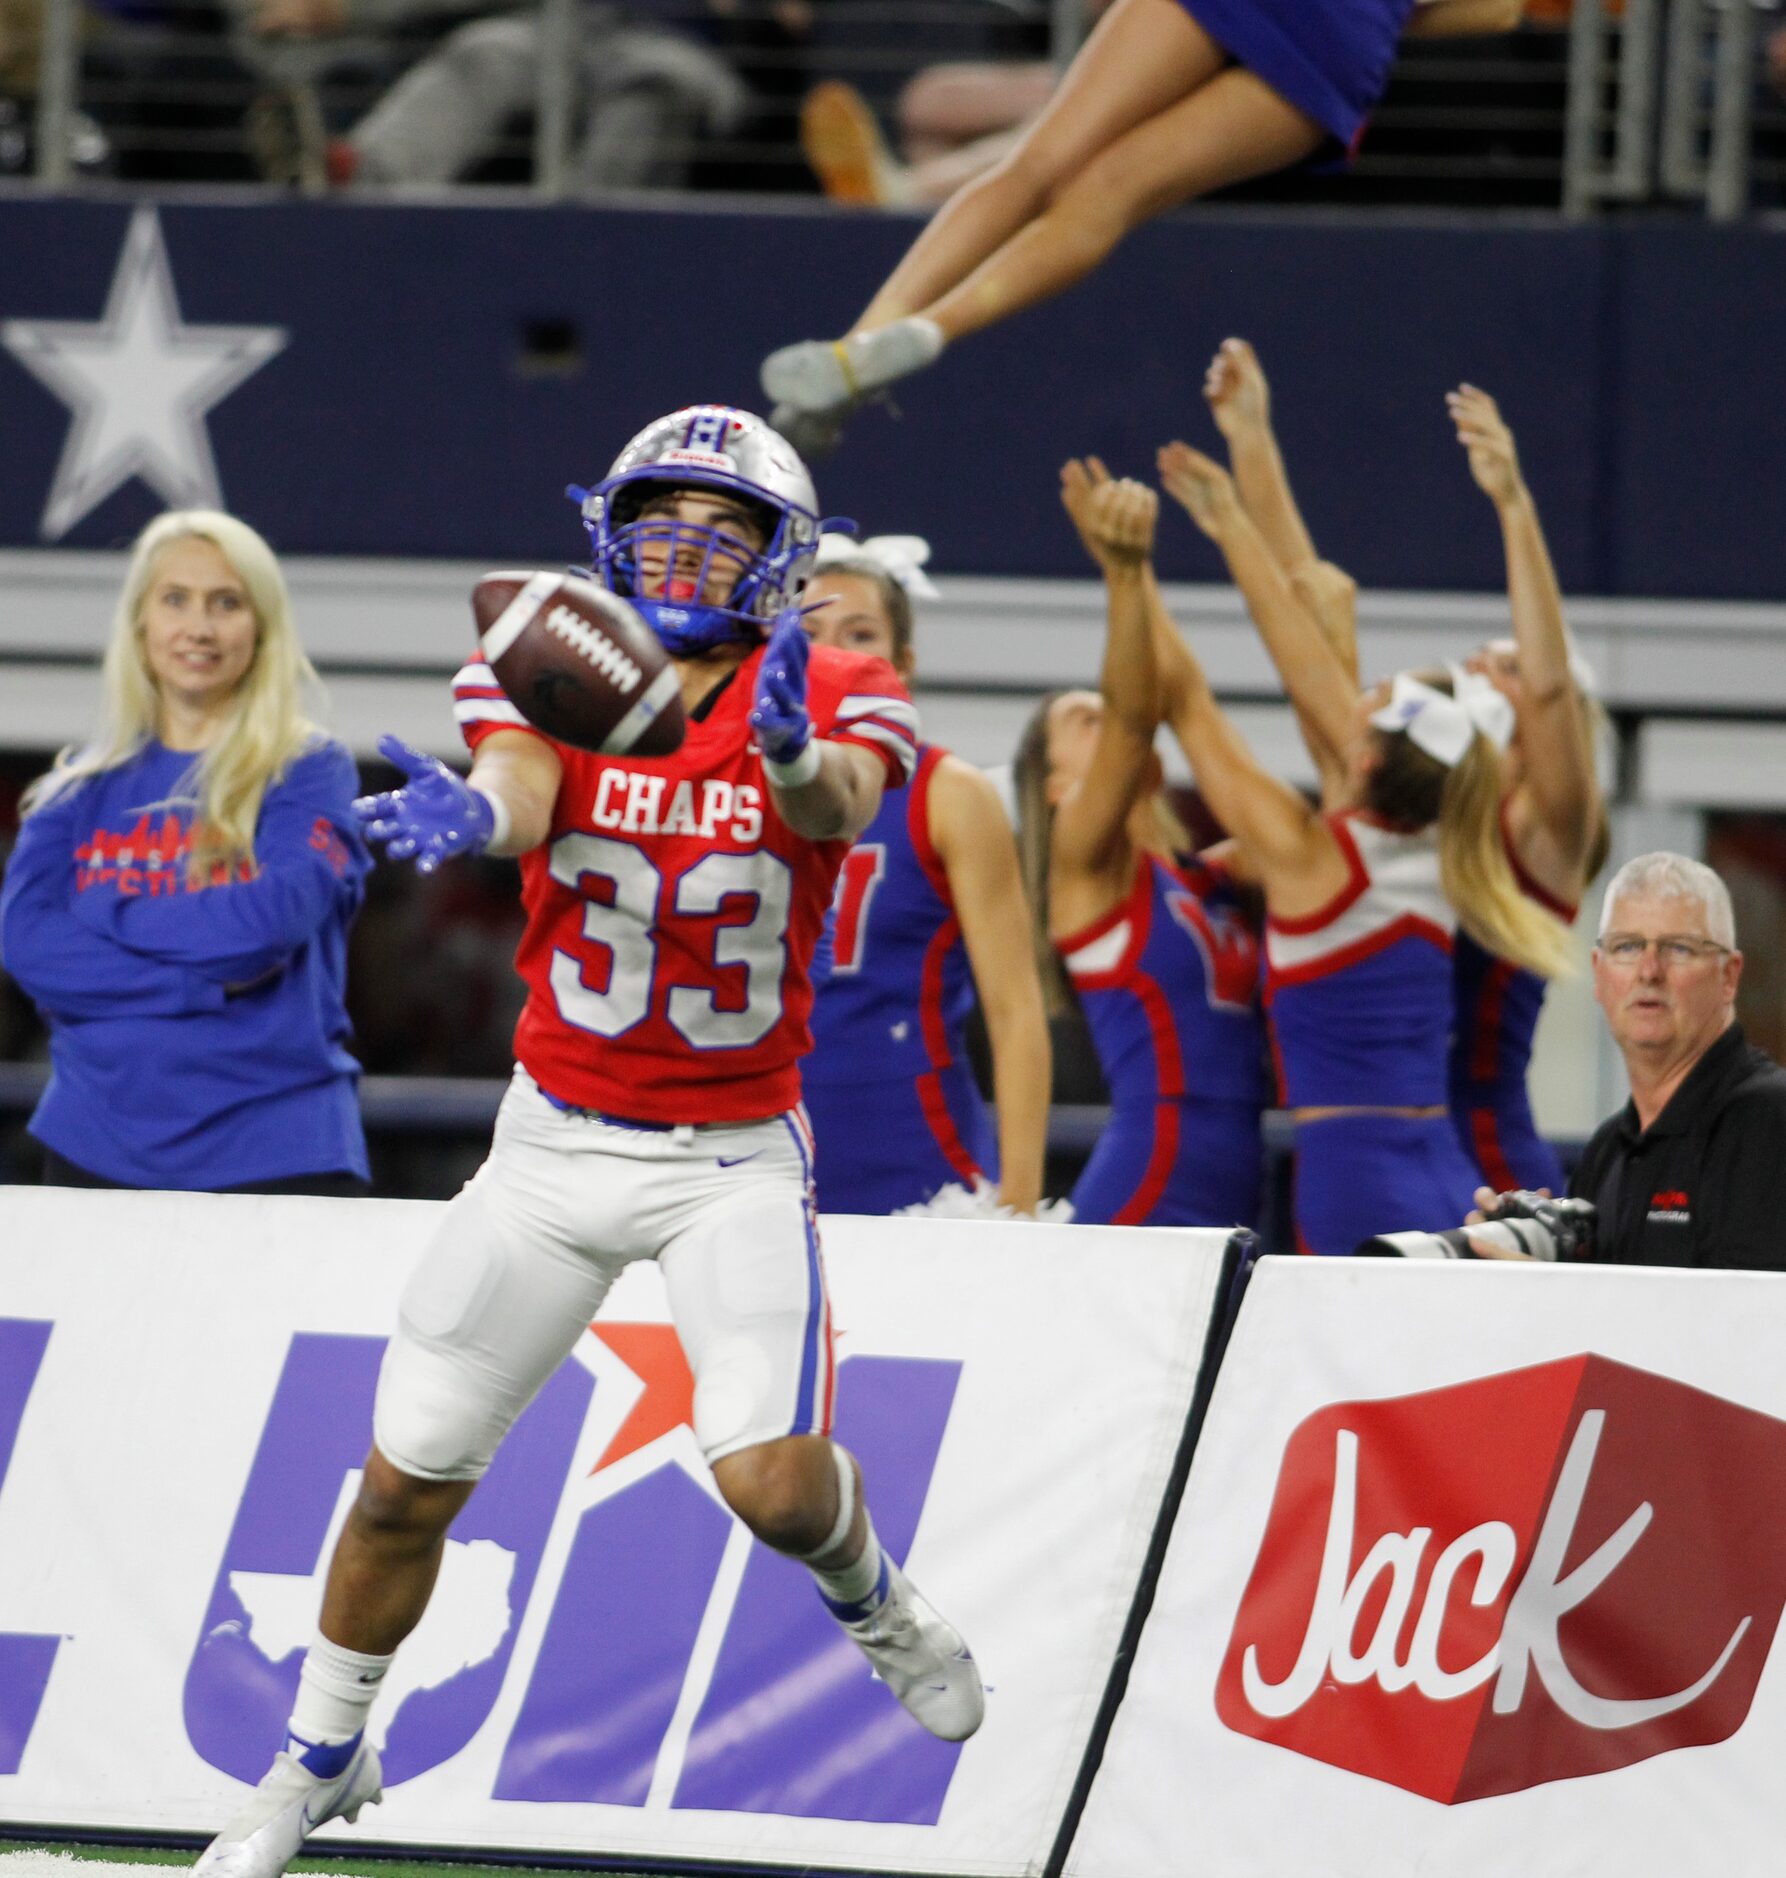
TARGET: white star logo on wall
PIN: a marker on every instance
(139, 384)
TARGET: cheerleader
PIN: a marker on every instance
(1362, 903)
(1167, 100)
(929, 912)
(1155, 943)
(1553, 817)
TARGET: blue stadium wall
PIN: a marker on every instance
(449, 369)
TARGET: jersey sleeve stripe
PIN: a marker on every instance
(488, 711)
(475, 671)
(872, 730)
(888, 744)
(878, 704)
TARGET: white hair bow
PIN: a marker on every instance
(901, 557)
(1445, 725)
(1489, 708)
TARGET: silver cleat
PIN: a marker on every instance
(288, 1805)
(922, 1659)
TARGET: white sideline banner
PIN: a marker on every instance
(609, 1665)
(1478, 1570)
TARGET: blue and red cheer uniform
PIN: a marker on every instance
(1168, 980)
(1329, 58)
(1498, 1005)
(1360, 998)
(891, 1095)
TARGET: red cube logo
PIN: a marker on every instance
(1536, 1576)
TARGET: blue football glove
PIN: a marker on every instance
(433, 816)
(779, 717)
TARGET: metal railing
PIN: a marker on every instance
(1663, 103)
(177, 88)
(1637, 100)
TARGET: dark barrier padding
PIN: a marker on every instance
(448, 370)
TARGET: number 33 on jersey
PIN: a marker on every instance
(672, 914)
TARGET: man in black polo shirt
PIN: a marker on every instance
(1692, 1170)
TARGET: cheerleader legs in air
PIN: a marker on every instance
(1150, 114)
(1164, 103)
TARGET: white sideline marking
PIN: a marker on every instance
(66, 1865)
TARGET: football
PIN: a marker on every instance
(579, 663)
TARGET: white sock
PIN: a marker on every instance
(924, 337)
(890, 352)
(851, 1592)
(336, 1690)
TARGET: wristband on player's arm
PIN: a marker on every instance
(502, 823)
(797, 773)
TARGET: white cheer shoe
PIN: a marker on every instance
(829, 375)
(288, 1805)
(922, 1660)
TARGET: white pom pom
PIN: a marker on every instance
(981, 1201)
(958, 1202)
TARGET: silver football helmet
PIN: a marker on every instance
(706, 446)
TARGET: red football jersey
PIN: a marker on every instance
(672, 914)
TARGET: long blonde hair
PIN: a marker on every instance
(1411, 789)
(1597, 729)
(1035, 840)
(266, 727)
(1035, 846)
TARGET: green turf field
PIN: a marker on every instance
(25, 1858)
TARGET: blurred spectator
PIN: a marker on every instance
(21, 50)
(178, 899)
(21, 31)
(166, 90)
(954, 121)
(646, 94)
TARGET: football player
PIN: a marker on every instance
(673, 904)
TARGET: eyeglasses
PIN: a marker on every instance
(1674, 951)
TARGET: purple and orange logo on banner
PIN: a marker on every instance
(788, 1721)
(1536, 1576)
(25, 1659)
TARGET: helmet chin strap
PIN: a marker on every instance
(685, 629)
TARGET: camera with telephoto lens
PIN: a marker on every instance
(1552, 1230)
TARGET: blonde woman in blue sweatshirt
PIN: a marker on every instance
(178, 901)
